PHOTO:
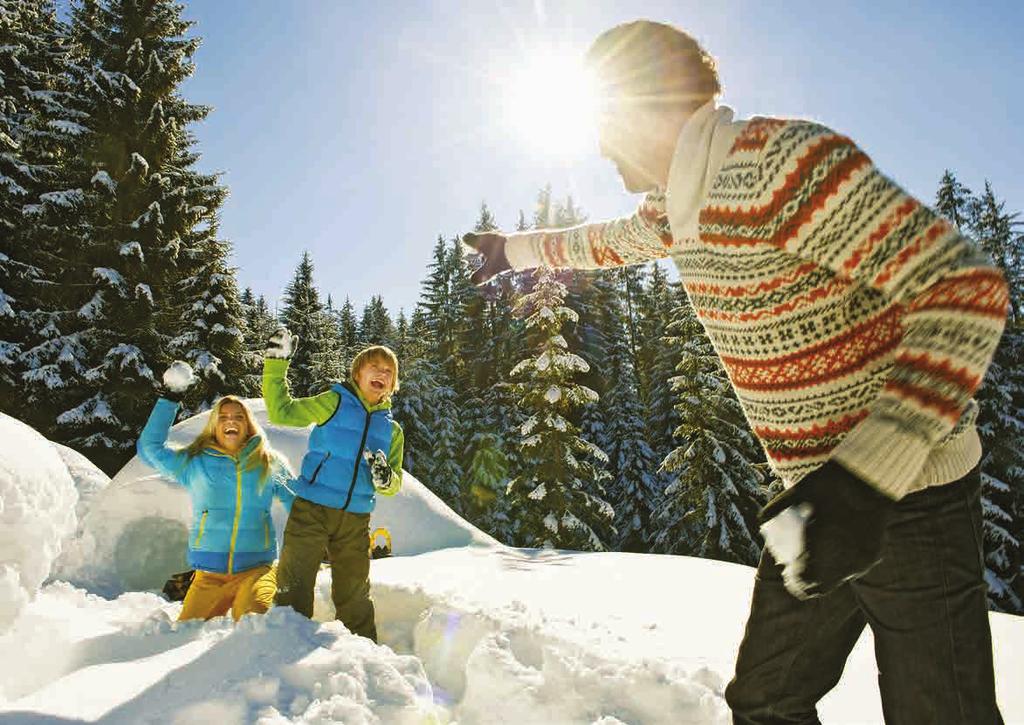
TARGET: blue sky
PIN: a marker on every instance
(362, 130)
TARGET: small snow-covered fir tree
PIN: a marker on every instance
(302, 314)
(375, 326)
(260, 325)
(557, 501)
(711, 506)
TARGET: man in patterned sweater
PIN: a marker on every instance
(855, 325)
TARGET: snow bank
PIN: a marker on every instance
(37, 511)
(134, 535)
(126, 661)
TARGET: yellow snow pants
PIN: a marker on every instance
(212, 594)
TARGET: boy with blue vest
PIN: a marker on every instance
(355, 452)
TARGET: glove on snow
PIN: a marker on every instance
(177, 379)
(281, 344)
(492, 246)
(380, 470)
(827, 529)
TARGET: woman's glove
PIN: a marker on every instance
(178, 378)
(827, 529)
(281, 344)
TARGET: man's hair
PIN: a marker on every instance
(653, 63)
(375, 353)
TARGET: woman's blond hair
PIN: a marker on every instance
(376, 353)
(262, 457)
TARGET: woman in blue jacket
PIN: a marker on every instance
(232, 475)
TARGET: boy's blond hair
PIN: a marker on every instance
(376, 353)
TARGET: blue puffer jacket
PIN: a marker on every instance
(334, 473)
(231, 527)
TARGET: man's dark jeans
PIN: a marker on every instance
(925, 603)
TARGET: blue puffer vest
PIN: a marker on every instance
(334, 473)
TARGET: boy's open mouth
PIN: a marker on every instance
(376, 385)
(230, 431)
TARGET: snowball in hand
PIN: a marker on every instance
(784, 537)
(179, 376)
(37, 511)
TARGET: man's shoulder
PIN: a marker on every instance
(762, 134)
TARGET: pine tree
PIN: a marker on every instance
(711, 507)
(376, 327)
(213, 340)
(348, 332)
(41, 126)
(139, 208)
(302, 314)
(634, 488)
(953, 200)
(558, 500)
(257, 327)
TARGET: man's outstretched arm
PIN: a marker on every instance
(641, 237)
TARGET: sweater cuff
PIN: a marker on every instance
(519, 252)
(883, 454)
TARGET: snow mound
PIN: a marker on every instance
(129, 662)
(37, 511)
(134, 535)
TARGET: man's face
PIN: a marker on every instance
(375, 379)
(624, 137)
(232, 429)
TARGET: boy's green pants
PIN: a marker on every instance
(310, 529)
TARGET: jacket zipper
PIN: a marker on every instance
(202, 527)
(316, 471)
(359, 455)
(238, 515)
(266, 533)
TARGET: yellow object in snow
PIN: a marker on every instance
(379, 552)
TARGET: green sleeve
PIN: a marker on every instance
(395, 460)
(283, 409)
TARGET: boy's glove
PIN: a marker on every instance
(827, 529)
(492, 246)
(380, 470)
(178, 378)
(281, 344)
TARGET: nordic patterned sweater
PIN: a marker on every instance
(853, 322)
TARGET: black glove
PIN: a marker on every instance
(492, 246)
(843, 522)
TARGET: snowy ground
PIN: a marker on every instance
(471, 632)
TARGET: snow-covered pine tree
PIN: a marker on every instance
(659, 353)
(413, 403)
(557, 500)
(138, 202)
(711, 506)
(328, 362)
(634, 488)
(40, 125)
(348, 332)
(213, 340)
(260, 324)
(376, 327)
(302, 314)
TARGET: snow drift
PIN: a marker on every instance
(37, 511)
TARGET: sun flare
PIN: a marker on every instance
(548, 103)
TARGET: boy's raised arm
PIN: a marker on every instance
(283, 409)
